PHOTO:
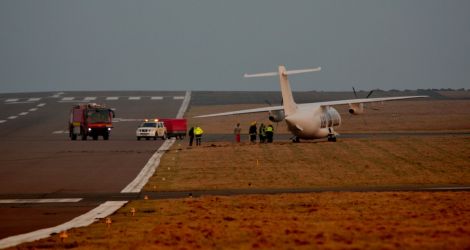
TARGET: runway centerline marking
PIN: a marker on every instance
(156, 98)
(134, 98)
(41, 105)
(33, 109)
(178, 97)
(34, 99)
(23, 113)
(2, 121)
(112, 98)
(70, 98)
(89, 98)
(29, 201)
(11, 100)
(12, 117)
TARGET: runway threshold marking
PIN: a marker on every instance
(30, 201)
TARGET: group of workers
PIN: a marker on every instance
(265, 133)
(197, 132)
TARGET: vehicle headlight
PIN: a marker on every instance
(109, 129)
(89, 129)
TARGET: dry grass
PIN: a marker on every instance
(416, 115)
(352, 162)
(389, 220)
(296, 221)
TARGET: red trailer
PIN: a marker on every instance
(90, 120)
(175, 127)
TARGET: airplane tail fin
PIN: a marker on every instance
(289, 103)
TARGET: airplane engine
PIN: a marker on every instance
(276, 115)
(356, 108)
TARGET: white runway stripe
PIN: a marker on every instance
(178, 97)
(156, 98)
(11, 100)
(34, 99)
(13, 201)
(23, 113)
(12, 117)
(100, 212)
(33, 109)
(68, 98)
(60, 132)
(89, 98)
(112, 98)
(41, 105)
(134, 98)
(2, 121)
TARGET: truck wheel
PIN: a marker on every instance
(138, 138)
(95, 137)
(164, 137)
(147, 138)
(106, 136)
(84, 137)
(73, 137)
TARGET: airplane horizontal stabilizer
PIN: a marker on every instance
(286, 73)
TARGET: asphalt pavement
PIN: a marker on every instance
(37, 157)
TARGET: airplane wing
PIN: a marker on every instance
(313, 104)
(362, 100)
(245, 111)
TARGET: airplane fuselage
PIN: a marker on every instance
(313, 123)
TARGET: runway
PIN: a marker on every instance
(37, 157)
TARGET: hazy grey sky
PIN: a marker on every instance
(208, 45)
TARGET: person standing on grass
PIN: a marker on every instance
(262, 133)
(198, 133)
(237, 131)
(191, 136)
(270, 133)
(252, 131)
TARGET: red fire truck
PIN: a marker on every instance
(90, 120)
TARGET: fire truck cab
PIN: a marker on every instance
(90, 120)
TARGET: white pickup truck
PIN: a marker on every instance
(151, 129)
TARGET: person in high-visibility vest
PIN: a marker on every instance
(198, 134)
(270, 133)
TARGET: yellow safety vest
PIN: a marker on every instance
(198, 131)
(269, 129)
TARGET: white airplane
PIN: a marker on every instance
(307, 120)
